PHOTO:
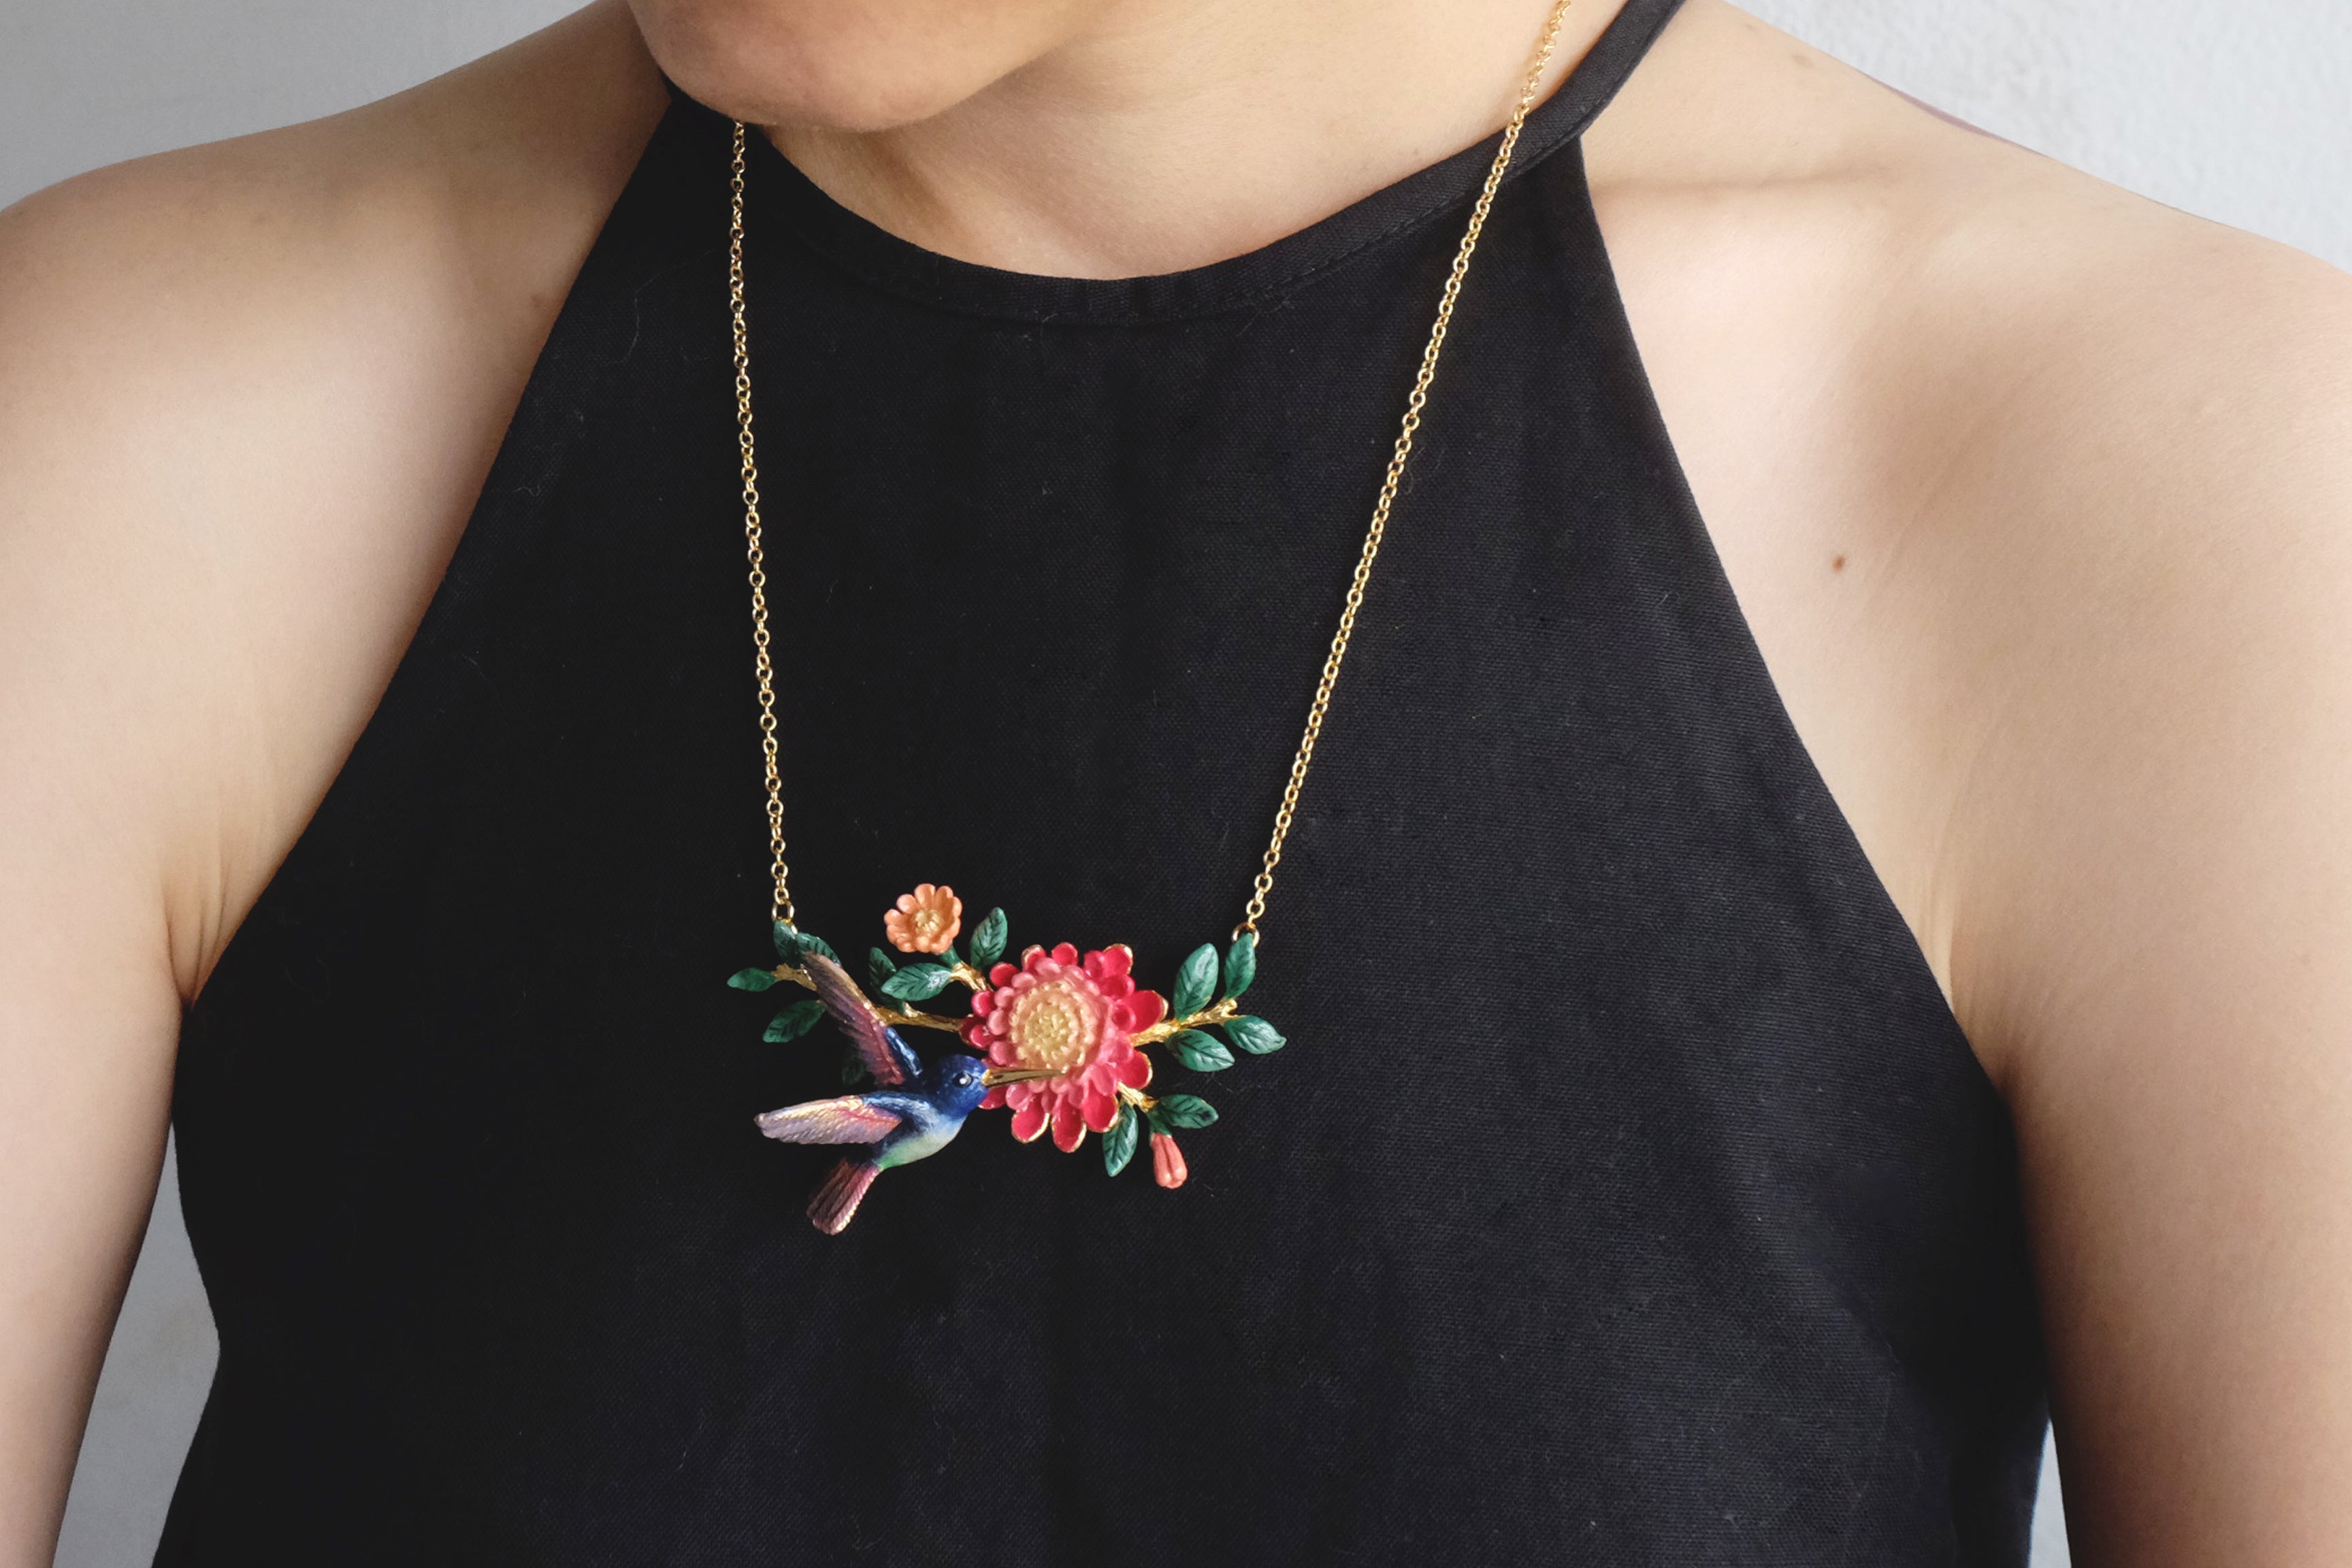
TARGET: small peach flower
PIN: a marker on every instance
(926, 919)
(1167, 1161)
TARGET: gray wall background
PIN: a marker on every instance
(2239, 113)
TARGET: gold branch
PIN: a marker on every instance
(910, 1017)
(1168, 1029)
(921, 1020)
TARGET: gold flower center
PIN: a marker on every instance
(928, 922)
(1054, 1027)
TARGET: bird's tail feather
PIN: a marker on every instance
(835, 1204)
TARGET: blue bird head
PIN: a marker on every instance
(958, 1081)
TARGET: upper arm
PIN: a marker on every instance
(247, 397)
(89, 999)
(2039, 501)
(2155, 944)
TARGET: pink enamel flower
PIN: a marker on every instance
(926, 919)
(1073, 1020)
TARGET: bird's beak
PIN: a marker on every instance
(995, 1075)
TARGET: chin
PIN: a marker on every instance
(848, 65)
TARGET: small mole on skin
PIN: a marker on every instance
(1837, 562)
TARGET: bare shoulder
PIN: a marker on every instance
(248, 391)
(2039, 498)
(1988, 445)
(530, 123)
(471, 191)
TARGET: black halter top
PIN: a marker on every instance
(1626, 1194)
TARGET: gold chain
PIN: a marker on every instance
(754, 549)
(1380, 508)
(1414, 406)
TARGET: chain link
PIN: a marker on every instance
(1415, 405)
(754, 546)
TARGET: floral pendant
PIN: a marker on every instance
(1059, 1039)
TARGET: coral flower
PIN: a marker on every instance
(926, 919)
(1167, 1161)
(1074, 1020)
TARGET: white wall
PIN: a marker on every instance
(86, 82)
(2240, 113)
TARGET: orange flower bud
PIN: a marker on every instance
(1167, 1161)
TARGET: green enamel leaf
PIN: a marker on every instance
(1119, 1143)
(793, 1022)
(1201, 1052)
(788, 941)
(1196, 981)
(880, 966)
(988, 939)
(1241, 964)
(810, 943)
(750, 980)
(916, 983)
(1254, 1036)
(853, 1071)
(1183, 1111)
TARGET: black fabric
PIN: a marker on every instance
(1627, 1193)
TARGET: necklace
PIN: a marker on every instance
(1057, 1035)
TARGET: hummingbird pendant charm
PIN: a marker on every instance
(1058, 1039)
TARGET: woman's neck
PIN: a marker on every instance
(1172, 133)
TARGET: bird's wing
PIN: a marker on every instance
(886, 1056)
(848, 1120)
